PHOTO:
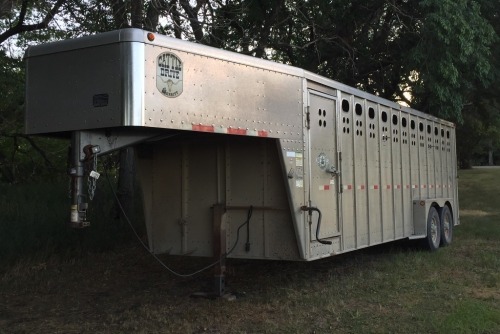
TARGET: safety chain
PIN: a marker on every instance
(92, 178)
(70, 188)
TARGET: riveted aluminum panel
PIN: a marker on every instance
(185, 176)
(431, 168)
(414, 157)
(438, 160)
(111, 79)
(224, 96)
(386, 181)
(422, 156)
(360, 190)
(407, 220)
(373, 172)
(346, 131)
(396, 173)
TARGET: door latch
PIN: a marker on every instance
(332, 170)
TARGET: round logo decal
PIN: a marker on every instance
(322, 161)
(169, 74)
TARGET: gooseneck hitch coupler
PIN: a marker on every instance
(310, 209)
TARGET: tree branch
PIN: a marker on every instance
(41, 152)
(20, 27)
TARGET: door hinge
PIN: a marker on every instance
(308, 118)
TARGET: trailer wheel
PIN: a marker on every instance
(446, 219)
(433, 230)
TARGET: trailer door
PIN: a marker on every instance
(323, 164)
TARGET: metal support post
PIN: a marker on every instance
(78, 218)
(219, 247)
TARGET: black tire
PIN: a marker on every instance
(433, 238)
(446, 219)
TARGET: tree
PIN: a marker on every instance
(443, 52)
(479, 133)
(24, 158)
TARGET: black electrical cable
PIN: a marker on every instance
(249, 215)
(247, 222)
(310, 209)
(146, 247)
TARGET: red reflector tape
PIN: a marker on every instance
(231, 131)
(203, 128)
(241, 132)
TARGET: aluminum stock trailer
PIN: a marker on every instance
(312, 167)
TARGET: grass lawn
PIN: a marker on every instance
(393, 288)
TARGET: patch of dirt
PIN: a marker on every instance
(485, 293)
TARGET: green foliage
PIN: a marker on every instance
(11, 91)
(33, 221)
(452, 57)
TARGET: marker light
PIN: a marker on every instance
(151, 36)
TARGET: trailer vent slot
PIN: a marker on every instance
(359, 109)
(100, 100)
(345, 105)
(371, 113)
(384, 116)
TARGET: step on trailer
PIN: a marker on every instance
(320, 167)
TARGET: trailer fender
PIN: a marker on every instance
(421, 209)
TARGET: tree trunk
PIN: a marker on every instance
(136, 13)
(490, 152)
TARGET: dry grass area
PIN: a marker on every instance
(476, 213)
(393, 288)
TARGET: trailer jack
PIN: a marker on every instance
(310, 209)
(86, 146)
(79, 168)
